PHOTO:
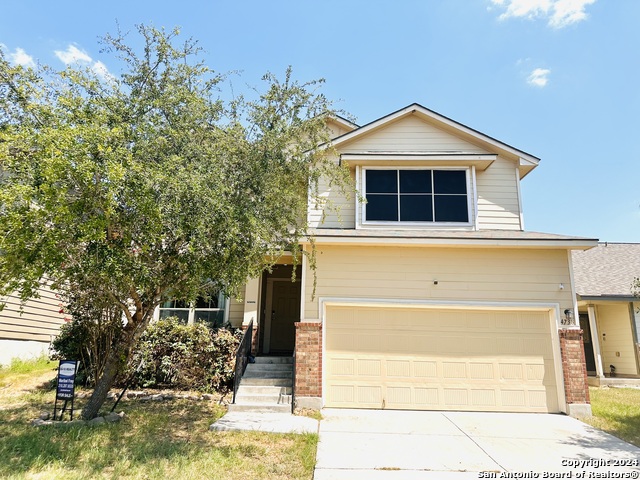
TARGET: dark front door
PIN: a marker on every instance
(285, 311)
(588, 344)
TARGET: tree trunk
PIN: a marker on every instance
(103, 385)
(118, 358)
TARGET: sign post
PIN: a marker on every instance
(66, 386)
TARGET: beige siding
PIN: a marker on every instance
(236, 311)
(498, 202)
(335, 130)
(616, 337)
(339, 210)
(410, 133)
(497, 193)
(636, 313)
(463, 274)
(39, 319)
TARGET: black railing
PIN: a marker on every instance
(242, 358)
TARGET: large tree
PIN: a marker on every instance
(142, 186)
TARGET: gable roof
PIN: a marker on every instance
(347, 124)
(607, 270)
(525, 161)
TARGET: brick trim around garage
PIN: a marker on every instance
(308, 365)
(574, 367)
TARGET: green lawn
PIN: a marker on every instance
(155, 440)
(616, 411)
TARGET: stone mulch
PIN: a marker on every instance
(137, 395)
(148, 395)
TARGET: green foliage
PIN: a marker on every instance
(190, 357)
(21, 366)
(144, 185)
(88, 338)
(616, 411)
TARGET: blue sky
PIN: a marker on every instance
(556, 78)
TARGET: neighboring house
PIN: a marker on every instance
(431, 295)
(609, 313)
(27, 333)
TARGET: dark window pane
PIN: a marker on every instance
(212, 319)
(175, 304)
(211, 303)
(382, 207)
(450, 181)
(415, 181)
(451, 208)
(415, 208)
(382, 181)
(183, 315)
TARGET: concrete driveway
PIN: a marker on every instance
(393, 445)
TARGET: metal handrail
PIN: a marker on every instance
(242, 358)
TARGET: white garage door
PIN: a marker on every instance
(427, 359)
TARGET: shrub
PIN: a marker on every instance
(193, 357)
(88, 338)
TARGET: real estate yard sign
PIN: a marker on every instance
(66, 385)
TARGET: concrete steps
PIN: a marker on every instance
(266, 386)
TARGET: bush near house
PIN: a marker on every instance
(88, 338)
(168, 355)
(187, 357)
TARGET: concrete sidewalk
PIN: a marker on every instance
(390, 445)
(265, 422)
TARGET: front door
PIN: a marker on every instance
(589, 357)
(283, 310)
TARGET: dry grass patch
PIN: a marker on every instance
(155, 440)
(616, 411)
(308, 412)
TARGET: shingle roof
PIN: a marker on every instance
(607, 270)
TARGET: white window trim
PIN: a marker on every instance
(191, 319)
(361, 184)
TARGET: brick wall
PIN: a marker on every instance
(308, 359)
(574, 366)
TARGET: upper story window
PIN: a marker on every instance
(416, 195)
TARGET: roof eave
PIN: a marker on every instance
(458, 242)
(608, 298)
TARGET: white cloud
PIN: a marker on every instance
(19, 57)
(539, 77)
(566, 12)
(72, 55)
(102, 71)
(558, 13)
(524, 8)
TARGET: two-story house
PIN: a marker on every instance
(429, 295)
